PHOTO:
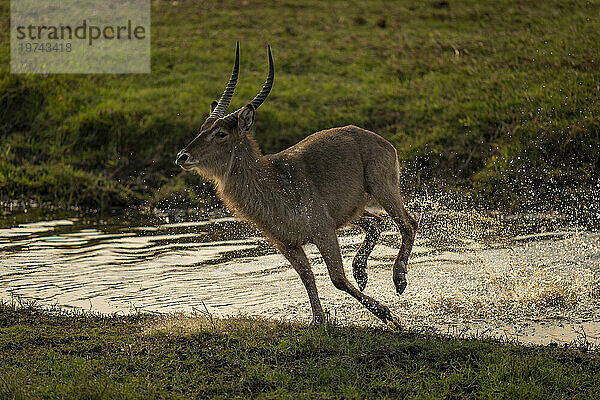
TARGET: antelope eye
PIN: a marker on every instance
(221, 134)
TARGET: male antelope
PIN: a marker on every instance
(304, 193)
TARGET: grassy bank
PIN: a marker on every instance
(86, 356)
(496, 98)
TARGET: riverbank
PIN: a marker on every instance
(77, 355)
(528, 278)
(490, 101)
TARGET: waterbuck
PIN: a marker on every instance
(304, 193)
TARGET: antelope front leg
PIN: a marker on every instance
(297, 258)
(328, 246)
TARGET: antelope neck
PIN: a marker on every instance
(249, 181)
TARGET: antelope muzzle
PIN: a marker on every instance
(182, 158)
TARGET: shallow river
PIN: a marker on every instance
(529, 278)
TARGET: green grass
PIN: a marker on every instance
(75, 355)
(496, 98)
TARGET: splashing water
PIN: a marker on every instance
(533, 278)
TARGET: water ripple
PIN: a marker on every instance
(484, 274)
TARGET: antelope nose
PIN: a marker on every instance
(182, 158)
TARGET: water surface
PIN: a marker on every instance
(529, 278)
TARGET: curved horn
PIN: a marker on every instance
(262, 95)
(225, 99)
(260, 98)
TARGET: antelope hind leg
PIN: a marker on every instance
(408, 227)
(391, 200)
(329, 248)
(372, 225)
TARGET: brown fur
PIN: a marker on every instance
(304, 193)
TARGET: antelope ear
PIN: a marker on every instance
(246, 118)
(213, 105)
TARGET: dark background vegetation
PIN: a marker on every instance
(495, 101)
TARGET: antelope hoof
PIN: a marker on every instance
(401, 284)
(400, 277)
(382, 312)
(360, 276)
(394, 323)
(318, 320)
